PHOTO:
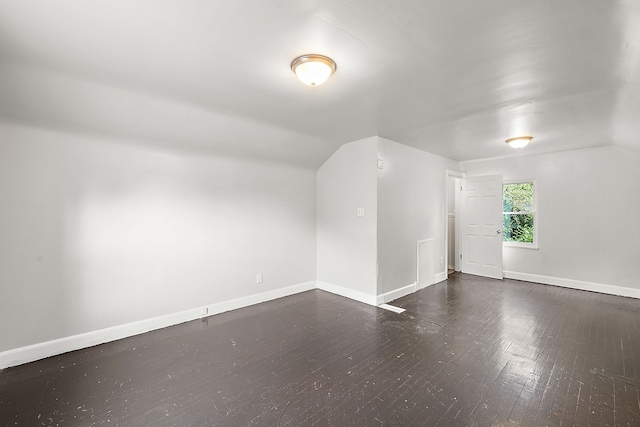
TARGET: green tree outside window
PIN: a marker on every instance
(518, 212)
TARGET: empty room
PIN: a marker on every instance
(319, 213)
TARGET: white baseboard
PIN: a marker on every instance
(574, 284)
(346, 292)
(38, 351)
(440, 277)
(397, 293)
(234, 304)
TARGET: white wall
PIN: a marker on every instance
(95, 234)
(347, 243)
(588, 203)
(411, 198)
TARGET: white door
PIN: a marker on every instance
(481, 231)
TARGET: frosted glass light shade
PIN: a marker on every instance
(519, 142)
(313, 70)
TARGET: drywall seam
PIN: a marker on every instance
(347, 292)
(574, 284)
(45, 349)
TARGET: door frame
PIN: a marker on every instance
(448, 173)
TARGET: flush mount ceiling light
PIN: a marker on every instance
(313, 70)
(519, 142)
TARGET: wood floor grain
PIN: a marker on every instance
(466, 352)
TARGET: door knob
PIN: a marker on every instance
(499, 231)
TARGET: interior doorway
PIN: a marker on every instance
(452, 220)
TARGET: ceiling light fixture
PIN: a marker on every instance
(313, 70)
(519, 142)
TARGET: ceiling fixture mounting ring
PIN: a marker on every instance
(313, 70)
(519, 141)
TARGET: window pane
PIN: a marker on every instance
(517, 228)
(518, 197)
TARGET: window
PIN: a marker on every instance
(519, 214)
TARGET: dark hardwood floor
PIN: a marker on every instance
(469, 351)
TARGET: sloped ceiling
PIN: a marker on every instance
(452, 78)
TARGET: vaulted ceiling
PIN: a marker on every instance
(452, 78)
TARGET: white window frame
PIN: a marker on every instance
(534, 212)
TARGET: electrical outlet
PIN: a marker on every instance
(441, 260)
(204, 311)
(360, 212)
(259, 278)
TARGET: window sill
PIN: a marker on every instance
(520, 245)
